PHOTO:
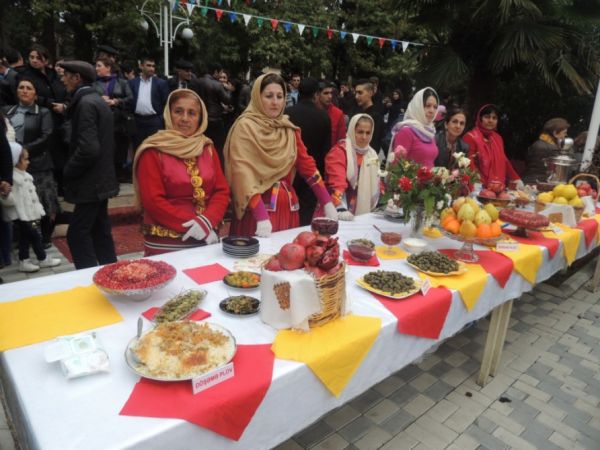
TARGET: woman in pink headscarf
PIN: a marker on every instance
(486, 149)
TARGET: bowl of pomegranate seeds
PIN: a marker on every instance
(134, 279)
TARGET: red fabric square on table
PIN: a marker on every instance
(374, 261)
(420, 315)
(199, 314)
(207, 274)
(589, 228)
(226, 408)
(537, 238)
(496, 264)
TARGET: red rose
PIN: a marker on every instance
(405, 184)
(465, 179)
(424, 175)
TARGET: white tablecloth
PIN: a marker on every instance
(52, 412)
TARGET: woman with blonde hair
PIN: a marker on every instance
(262, 153)
(178, 179)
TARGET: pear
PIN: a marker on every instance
(466, 212)
(468, 229)
(447, 212)
(456, 204)
(482, 217)
(492, 211)
(474, 204)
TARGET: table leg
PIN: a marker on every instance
(596, 278)
(494, 342)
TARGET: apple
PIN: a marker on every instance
(584, 185)
(486, 193)
(582, 192)
(496, 186)
(504, 196)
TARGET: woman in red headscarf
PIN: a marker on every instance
(486, 149)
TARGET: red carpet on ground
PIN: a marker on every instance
(125, 231)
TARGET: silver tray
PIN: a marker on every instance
(134, 364)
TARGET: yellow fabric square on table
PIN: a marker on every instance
(432, 232)
(333, 351)
(570, 239)
(43, 317)
(597, 217)
(470, 285)
(527, 260)
(385, 252)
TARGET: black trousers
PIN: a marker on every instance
(89, 236)
(145, 126)
(29, 234)
(216, 131)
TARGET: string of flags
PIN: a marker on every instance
(287, 25)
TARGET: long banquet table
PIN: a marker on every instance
(51, 412)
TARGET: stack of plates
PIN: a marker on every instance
(240, 247)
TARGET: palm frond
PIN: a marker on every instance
(444, 68)
(507, 10)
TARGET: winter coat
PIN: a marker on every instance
(22, 203)
(37, 136)
(123, 110)
(213, 93)
(89, 174)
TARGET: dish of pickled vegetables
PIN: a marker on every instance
(242, 279)
(389, 284)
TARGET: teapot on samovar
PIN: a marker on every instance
(561, 167)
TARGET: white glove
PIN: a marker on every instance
(212, 238)
(520, 185)
(330, 211)
(195, 231)
(345, 215)
(264, 228)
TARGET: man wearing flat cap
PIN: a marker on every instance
(89, 173)
(106, 51)
(183, 78)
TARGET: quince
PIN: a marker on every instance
(482, 217)
(545, 197)
(466, 212)
(447, 212)
(456, 204)
(492, 211)
(558, 190)
(468, 229)
(560, 201)
(569, 192)
(576, 202)
(474, 204)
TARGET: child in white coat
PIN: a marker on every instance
(23, 206)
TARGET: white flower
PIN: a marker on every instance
(443, 173)
(440, 205)
(382, 173)
(458, 155)
(448, 198)
(464, 162)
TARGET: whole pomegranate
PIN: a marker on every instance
(306, 239)
(291, 256)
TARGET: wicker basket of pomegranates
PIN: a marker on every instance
(496, 194)
(304, 285)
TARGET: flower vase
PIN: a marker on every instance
(417, 222)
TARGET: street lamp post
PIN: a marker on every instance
(164, 30)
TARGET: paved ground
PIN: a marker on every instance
(546, 394)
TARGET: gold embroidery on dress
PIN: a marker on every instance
(198, 196)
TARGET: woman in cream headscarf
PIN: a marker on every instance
(178, 179)
(415, 135)
(262, 153)
(351, 168)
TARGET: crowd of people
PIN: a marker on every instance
(269, 154)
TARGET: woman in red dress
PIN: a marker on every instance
(262, 153)
(351, 170)
(486, 149)
(179, 181)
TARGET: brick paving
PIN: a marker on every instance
(546, 394)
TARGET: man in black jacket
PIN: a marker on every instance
(89, 174)
(315, 129)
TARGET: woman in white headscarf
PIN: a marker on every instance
(415, 135)
(351, 170)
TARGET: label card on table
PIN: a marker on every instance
(212, 378)
(425, 286)
(507, 246)
(556, 229)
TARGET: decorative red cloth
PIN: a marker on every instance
(486, 151)
(419, 315)
(374, 261)
(338, 124)
(537, 238)
(207, 274)
(590, 230)
(282, 218)
(496, 264)
(199, 314)
(226, 408)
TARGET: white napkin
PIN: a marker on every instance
(288, 299)
(567, 211)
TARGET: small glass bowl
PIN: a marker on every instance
(359, 250)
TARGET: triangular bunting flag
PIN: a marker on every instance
(404, 46)
(219, 13)
(259, 22)
(355, 37)
(229, 3)
(287, 26)
(369, 40)
(315, 31)
(274, 23)
(329, 33)
(301, 28)
(190, 8)
(247, 18)
(232, 17)
(219, 2)
(381, 42)
(394, 43)
(175, 5)
(343, 35)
